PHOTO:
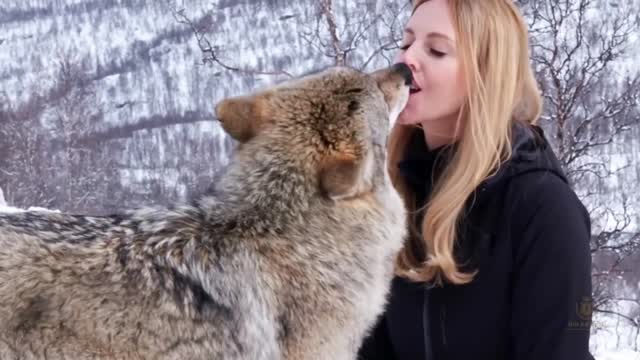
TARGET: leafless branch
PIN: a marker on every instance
(211, 52)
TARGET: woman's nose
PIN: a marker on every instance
(407, 58)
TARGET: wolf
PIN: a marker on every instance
(290, 256)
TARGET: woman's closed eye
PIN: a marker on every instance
(437, 53)
(432, 51)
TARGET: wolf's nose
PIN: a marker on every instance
(404, 70)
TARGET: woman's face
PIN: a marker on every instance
(429, 48)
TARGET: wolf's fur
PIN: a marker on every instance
(290, 257)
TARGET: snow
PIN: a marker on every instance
(618, 355)
(613, 338)
(4, 208)
(10, 209)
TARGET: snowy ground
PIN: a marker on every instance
(612, 338)
(10, 209)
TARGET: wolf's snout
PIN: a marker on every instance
(404, 70)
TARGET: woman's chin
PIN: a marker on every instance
(407, 118)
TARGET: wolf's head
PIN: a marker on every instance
(333, 123)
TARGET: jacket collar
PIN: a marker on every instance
(420, 164)
(530, 152)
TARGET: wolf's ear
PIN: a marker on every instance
(243, 117)
(346, 176)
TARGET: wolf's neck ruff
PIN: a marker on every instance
(265, 186)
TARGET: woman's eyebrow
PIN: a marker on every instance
(435, 34)
(439, 35)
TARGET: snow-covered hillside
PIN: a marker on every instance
(151, 90)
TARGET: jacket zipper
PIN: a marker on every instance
(428, 351)
(443, 319)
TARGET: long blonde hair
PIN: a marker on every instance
(493, 47)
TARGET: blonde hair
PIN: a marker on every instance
(493, 48)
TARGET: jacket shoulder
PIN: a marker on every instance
(548, 220)
(541, 192)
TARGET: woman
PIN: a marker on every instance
(498, 262)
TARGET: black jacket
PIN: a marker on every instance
(528, 235)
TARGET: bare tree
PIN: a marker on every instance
(45, 162)
(211, 52)
(82, 168)
(23, 145)
(591, 102)
(376, 29)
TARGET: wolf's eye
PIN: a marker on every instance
(353, 106)
(354, 91)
